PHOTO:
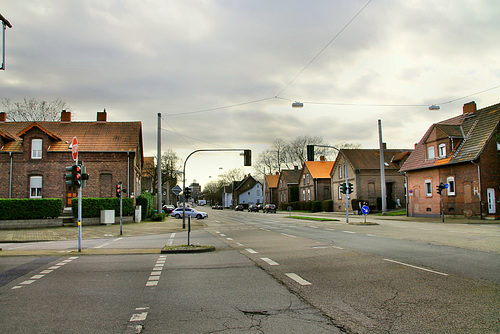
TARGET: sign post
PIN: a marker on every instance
(365, 209)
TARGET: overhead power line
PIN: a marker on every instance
(324, 48)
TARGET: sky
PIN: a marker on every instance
(224, 73)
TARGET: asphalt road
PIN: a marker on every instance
(372, 279)
(317, 277)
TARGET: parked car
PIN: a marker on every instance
(270, 208)
(217, 207)
(168, 208)
(253, 208)
(238, 208)
(260, 206)
(177, 213)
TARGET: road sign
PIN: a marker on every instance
(177, 190)
(74, 149)
(365, 210)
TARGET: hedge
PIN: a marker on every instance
(146, 201)
(91, 207)
(316, 206)
(30, 208)
(328, 205)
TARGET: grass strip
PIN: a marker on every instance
(313, 218)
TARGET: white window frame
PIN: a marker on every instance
(442, 150)
(340, 172)
(428, 188)
(36, 148)
(340, 193)
(430, 152)
(307, 178)
(452, 186)
(36, 183)
(304, 179)
(303, 195)
(308, 194)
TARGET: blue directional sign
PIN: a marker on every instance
(365, 209)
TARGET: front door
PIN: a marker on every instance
(70, 193)
(490, 195)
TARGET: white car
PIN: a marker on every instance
(177, 213)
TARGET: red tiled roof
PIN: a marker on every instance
(370, 158)
(476, 129)
(272, 180)
(92, 136)
(319, 169)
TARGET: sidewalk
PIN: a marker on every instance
(170, 225)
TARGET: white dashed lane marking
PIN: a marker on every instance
(298, 279)
(42, 273)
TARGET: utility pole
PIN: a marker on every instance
(382, 168)
(158, 162)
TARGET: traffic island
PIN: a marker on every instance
(362, 223)
(187, 249)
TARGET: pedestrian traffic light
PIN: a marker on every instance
(350, 188)
(343, 188)
(310, 152)
(440, 188)
(119, 189)
(187, 192)
(247, 157)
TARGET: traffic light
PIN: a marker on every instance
(440, 188)
(187, 192)
(85, 176)
(310, 152)
(77, 176)
(349, 188)
(343, 188)
(119, 189)
(247, 155)
(69, 177)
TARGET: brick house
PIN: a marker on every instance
(34, 157)
(464, 153)
(363, 171)
(287, 182)
(314, 181)
(271, 188)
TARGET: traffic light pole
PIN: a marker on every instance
(311, 153)
(79, 219)
(247, 162)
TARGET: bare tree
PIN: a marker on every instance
(34, 110)
(170, 163)
(235, 174)
(297, 149)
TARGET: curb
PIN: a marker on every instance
(194, 249)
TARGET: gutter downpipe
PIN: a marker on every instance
(10, 177)
(128, 173)
(479, 181)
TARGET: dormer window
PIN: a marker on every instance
(442, 150)
(36, 149)
(430, 152)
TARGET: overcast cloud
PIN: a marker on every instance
(188, 59)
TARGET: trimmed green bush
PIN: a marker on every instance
(328, 205)
(30, 208)
(316, 206)
(306, 206)
(146, 201)
(91, 207)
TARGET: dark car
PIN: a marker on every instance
(217, 207)
(253, 208)
(270, 208)
(238, 208)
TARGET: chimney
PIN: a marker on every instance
(3, 117)
(65, 116)
(322, 158)
(470, 107)
(102, 116)
(296, 167)
(277, 173)
(384, 145)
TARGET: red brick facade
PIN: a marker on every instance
(19, 169)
